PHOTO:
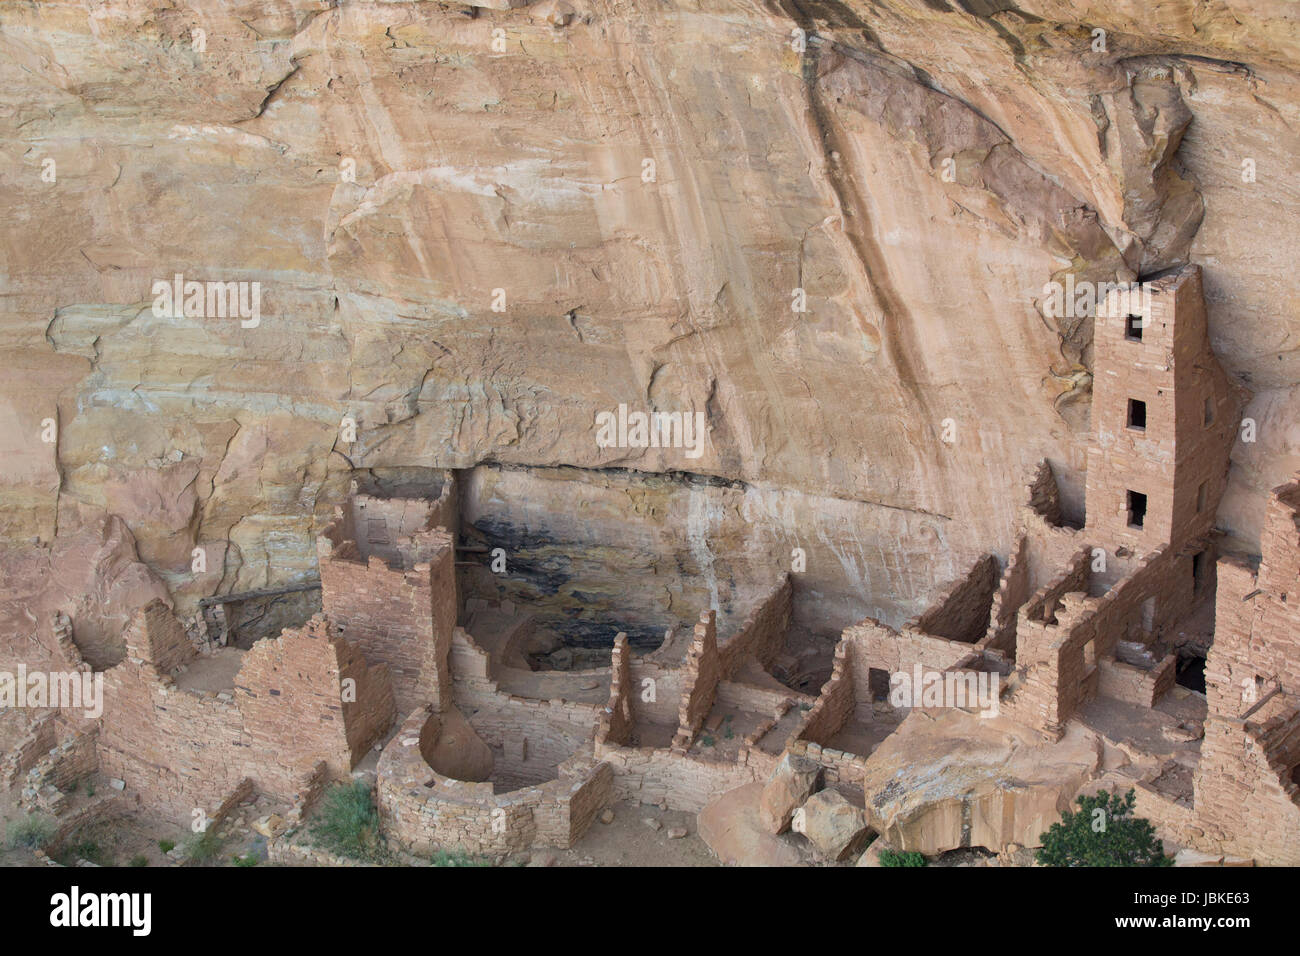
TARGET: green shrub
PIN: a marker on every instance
(906, 858)
(32, 831)
(249, 860)
(347, 822)
(203, 847)
(457, 858)
(166, 845)
(1102, 833)
(87, 850)
(139, 860)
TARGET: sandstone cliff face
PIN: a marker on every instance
(646, 184)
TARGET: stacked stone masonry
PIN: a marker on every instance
(493, 758)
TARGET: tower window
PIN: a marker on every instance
(1201, 496)
(1137, 509)
(1137, 414)
(1209, 411)
(1133, 328)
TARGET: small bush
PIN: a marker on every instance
(348, 823)
(1103, 833)
(457, 858)
(249, 860)
(906, 858)
(32, 832)
(166, 845)
(139, 860)
(87, 850)
(203, 847)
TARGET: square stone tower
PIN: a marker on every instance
(1164, 417)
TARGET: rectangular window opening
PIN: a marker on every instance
(1133, 328)
(1137, 509)
(1209, 412)
(1137, 414)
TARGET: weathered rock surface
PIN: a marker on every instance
(947, 779)
(94, 576)
(871, 855)
(730, 827)
(791, 783)
(919, 170)
(833, 825)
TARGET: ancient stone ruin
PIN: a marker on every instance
(791, 434)
(1067, 652)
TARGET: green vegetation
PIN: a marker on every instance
(1103, 832)
(203, 847)
(32, 832)
(166, 845)
(84, 849)
(249, 860)
(457, 858)
(347, 822)
(139, 860)
(906, 858)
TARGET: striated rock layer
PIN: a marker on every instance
(639, 189)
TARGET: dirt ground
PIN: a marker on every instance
(630, 841)
(131, 840)
(638, 836)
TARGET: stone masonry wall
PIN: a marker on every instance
(399, 616)
(877, 646)
(529, 738)
(297, 681)
(181, 750)
(1179, 457)
(962, 612)
(836, 703)
(683, 781)
(1133, 685)
(35, 736)
(703, 670)
(616, 719)
(762, 635)
(156, 636)
(1045, 495)
(1246, 798)
(1064, 633)
(1245, 787)
(424, 811)
(1013, 591)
